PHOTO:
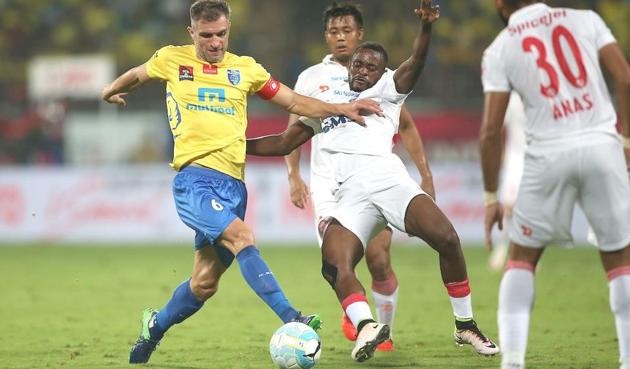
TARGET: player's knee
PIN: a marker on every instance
(240, 239)
(330, 273)
(379, 266)
(204, 289)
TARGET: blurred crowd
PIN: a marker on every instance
(283, 35)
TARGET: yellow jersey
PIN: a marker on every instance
(207, 105)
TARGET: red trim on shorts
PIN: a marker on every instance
(270, 89)
(618, 272)
(515, 264)
(351, 299)
(458, 289)
(386, 287)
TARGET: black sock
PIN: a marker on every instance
(363, 323)
(459, 324)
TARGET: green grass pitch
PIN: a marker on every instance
(73, 307)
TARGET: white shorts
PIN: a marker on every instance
(323, 201)
(594, 177)
(370, 199)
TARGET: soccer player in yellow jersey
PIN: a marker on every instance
(206, 98)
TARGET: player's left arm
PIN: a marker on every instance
(409, 71)
(412, 141)
(615, 63)
(309, 107)
(490, 148)
(280, 144)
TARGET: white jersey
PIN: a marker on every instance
(344, 138)
(322, 81)
(550, 56)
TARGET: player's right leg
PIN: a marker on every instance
(516, 298)
(196, 192)
(425, 220)
(605, 199)
(384, 282)
(341, 251)
(617, 266)
(187, 299)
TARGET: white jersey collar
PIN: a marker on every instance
(328, 59)
(525, 11)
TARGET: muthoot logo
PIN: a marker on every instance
(211, 108)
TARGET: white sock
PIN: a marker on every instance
(462, 306)
(516, 298)
(385, 307)
(357, 308)
(619, 288)
(461, 302)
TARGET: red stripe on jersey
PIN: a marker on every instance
(458, 289)
(270, 89)
(515, 264)
(351, 299)
(618, 272)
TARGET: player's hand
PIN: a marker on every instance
(427, 186)
(117, 99)
(299, 191)
(494, 214)
(428, 13)
(358, 108)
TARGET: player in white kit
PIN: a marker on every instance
(511, 171)
(343, 30)
(551, 57)
(374, 189)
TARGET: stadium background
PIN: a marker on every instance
(73, 169)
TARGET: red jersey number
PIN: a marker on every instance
(560, 32)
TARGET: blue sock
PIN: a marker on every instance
(260, 279)
(182, 305)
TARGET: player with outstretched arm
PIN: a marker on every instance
(206, 97)
(375, 189)
(343, 31)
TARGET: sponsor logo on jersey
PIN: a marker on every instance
(331, 123)
(210, 69)
(234, 76)
(173, 113)
(346, 93)
(339, 78)
(211, 95)
(186, 73)
(546, 20)
(324, 88)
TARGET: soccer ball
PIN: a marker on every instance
(295, 346)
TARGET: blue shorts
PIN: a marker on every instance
(208, 201)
